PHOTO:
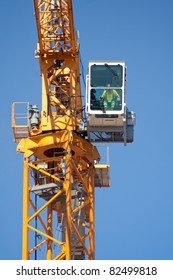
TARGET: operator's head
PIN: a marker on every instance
(108, 85)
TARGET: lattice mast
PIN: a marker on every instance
(58, 185)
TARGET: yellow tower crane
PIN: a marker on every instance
(60, 170)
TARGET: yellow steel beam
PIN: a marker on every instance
(45, 205)
(80, 239)
(25, 255)
(49, 237)
(91, 214)
(49, 231)
(67, 186)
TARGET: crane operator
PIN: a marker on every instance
(110, 98)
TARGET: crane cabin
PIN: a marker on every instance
(108, 119)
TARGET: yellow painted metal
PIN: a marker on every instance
(49, 231)
(70, 211)
(91, 214)
(25, 254)
(57, 43)
(44, 234)
(45, 205)
(67, 186)
(58, 161)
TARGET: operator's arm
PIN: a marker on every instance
(115, 93)
(103, 94)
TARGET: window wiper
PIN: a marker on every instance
(110, 69)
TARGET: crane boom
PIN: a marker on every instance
(58, 53)
(55, 26)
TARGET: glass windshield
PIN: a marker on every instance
(106, 99)
(101, 75)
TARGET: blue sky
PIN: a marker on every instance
(134, 217)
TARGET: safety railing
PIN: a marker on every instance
(20, 120)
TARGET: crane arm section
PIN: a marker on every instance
(55, 27)
(58, 53)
